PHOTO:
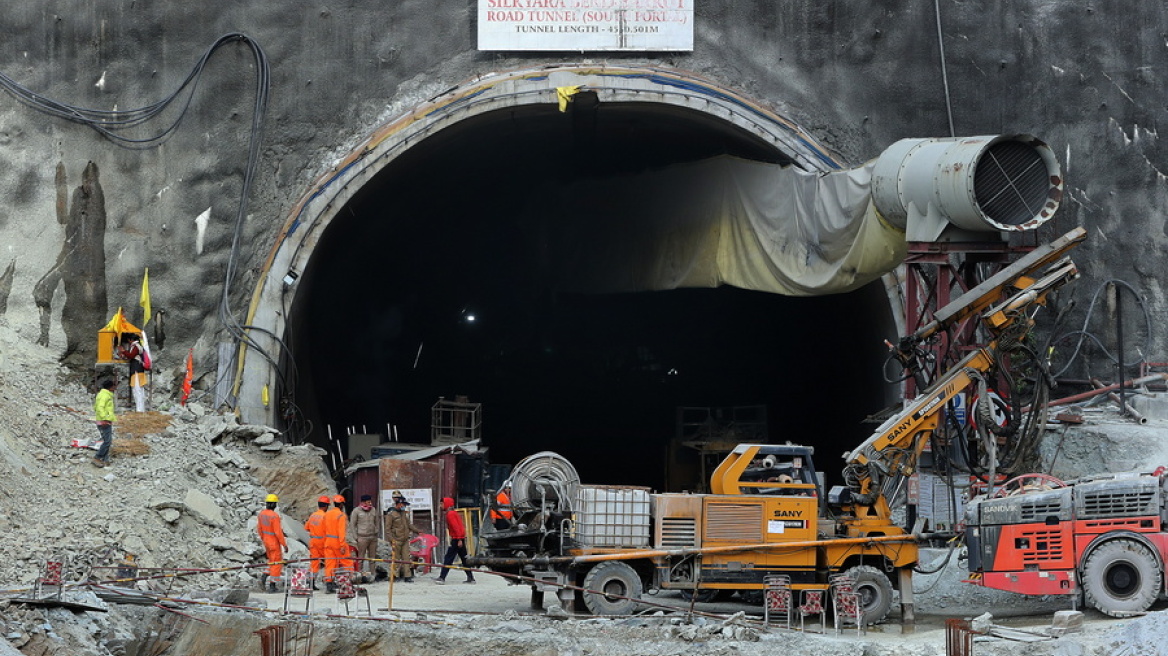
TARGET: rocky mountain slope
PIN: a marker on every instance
(180, 491)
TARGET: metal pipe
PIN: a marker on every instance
(539, 561)
(1123, 404)
(1140, 419)
(944, 69)
(801, 544)
(1086, 395)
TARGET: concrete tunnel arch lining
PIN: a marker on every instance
(310, 217)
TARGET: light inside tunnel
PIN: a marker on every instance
(434, 282)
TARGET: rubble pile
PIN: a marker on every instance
(34, 630)
(183, 501)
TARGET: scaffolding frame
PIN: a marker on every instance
(455, 422)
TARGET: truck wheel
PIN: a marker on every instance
(620, 585)
(702, 596)
(752, 597)
(875, 592)
(1121, 577)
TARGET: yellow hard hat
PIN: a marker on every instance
(271, 498)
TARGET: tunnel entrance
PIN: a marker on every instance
(459, 226)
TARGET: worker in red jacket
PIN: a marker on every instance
(335, 527)
(316, 537)
(456, 532)
(272, 535)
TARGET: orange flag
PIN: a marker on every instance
(186, 387)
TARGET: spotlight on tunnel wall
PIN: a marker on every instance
(959, 189)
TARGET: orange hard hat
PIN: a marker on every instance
(323, 500)
(340, 498)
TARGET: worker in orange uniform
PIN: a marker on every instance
(272, 535)
(501, 510)
(316, 537)
(349, 562)
(335, 528)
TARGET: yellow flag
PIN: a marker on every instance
(144, 300)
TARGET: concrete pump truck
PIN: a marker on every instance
(602, 547)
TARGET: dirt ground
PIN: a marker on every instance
(491, 601)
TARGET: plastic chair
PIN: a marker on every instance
(346, 591)
(422, 552)
(777, 598)
(52, 576)
(813, 605)
(299, 585)
(845, 603)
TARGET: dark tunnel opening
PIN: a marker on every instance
(381, 324)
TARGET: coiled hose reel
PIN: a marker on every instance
(544, 481)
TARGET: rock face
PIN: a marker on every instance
(300, 476)
(1107, 442)
(1083, 79)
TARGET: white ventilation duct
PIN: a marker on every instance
(946, 189)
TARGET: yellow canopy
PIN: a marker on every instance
(119, 325)
(109, 337)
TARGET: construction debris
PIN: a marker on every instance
(1066, 621)
(183, 505)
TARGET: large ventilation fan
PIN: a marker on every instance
(951, 189)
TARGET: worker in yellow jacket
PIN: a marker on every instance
(316, 537)
(103, 411)
(336, 525)
(272, 535)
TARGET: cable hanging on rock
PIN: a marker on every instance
(1084, 334)
(118, 126)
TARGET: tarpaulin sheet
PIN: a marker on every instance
(721, 221)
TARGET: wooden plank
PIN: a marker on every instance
(57, 603)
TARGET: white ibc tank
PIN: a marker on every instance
(612, 516)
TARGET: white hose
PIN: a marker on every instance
(544, 477)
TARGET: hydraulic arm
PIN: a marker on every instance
(894, 449)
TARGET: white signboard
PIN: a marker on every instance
(419, 498)
(957, 406)
(580, 25)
